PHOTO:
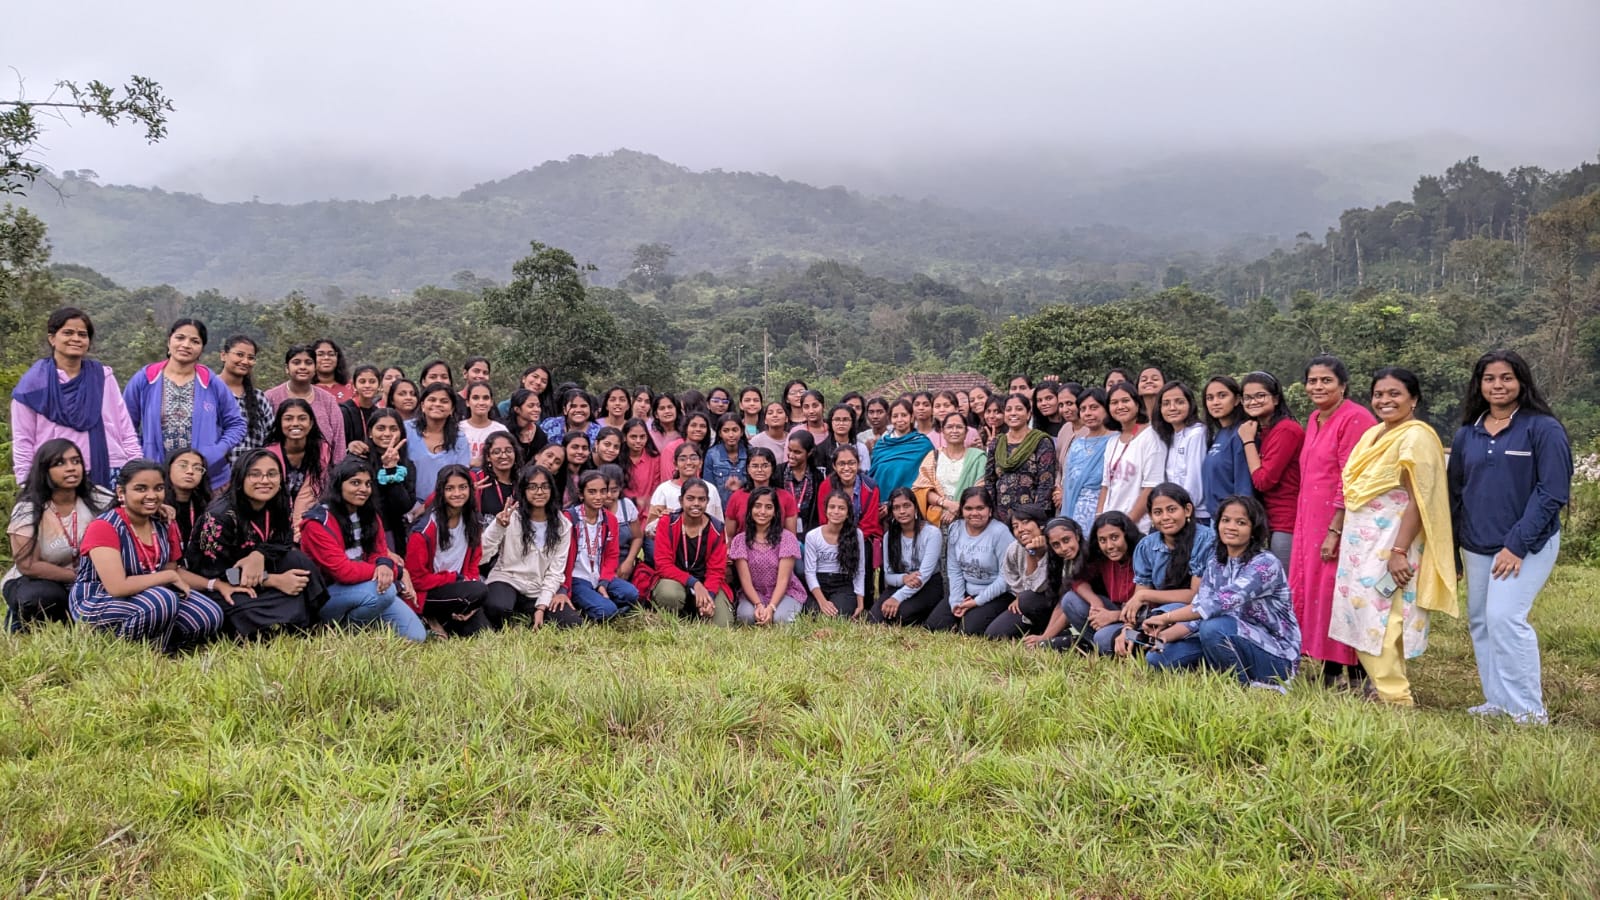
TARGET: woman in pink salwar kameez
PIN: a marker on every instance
(1332, 430)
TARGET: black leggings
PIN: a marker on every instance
(458, 598)
(839, 588)
(32, 600)
(1035, 615)
(503, 605)
(914, 609)
(976, 621)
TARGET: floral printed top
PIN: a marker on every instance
(1031, 482)
(1254, 592)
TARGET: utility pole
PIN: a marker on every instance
(766, 368)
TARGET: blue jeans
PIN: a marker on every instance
(1077, 610)
(1226, 650)
(1184, 654)
(1506, 647)
(594, 605)
(362, 604)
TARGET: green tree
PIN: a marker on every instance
(1082, 343)
(28, 290)
(140, 101)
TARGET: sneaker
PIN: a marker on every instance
(1269, 686)
(1532, 718)
(1487, 711)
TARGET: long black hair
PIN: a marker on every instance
(650, 448)
(374, 453)
(339, 511)
(252, 409)
(1474, 405)
(1058, 571)
(552, 508)
(341, 369)
(440, 515)
(452, 425)
(1260, 528)
(773, 534)
(1176, 577)
(1214, 425)
(895, 559)
(277, 509)
(39, 491)
(314, 439)
(849, 536)
(677, 419)
(1165, 429)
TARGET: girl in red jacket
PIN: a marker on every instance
(344, 536)
(592, 580)
(443, 555)
(692, 560)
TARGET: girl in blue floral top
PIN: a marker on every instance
(1241, 617)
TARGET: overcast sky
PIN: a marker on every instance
(412, 97)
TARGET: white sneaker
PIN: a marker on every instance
(1532, 718)
(1487, 710)
(1269, 686)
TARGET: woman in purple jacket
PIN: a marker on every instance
(179, 403)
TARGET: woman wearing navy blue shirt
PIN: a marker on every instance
(1510, 473)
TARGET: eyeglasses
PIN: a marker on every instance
(268, 475)
(538, 488)
(503, 451)
(184, 466)
(1257, 398)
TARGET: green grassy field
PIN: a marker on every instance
(675, 759)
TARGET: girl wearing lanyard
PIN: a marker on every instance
(596, 548)
(129, 579)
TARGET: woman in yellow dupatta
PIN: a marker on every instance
(1397, 525)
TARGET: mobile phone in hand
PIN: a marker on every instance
(233, 576)
(1386, 585)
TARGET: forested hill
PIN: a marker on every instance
(598, 207)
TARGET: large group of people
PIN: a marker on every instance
(1136, 517)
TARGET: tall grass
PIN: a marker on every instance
(816, 760)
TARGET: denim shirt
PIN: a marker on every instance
(1151, 556)
(718, 467)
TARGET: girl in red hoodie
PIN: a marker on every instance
(592, 580)
(443, 555)
(344, 536)
(692, 560)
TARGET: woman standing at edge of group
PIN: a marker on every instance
(53, 511)
(300, 365)
(899, 453)
(1510, 473)
(1272, 441)
(179, 403)
(1022, 462)
(68, 395)
(1396, 560)
(1334, 427)
(238, 373)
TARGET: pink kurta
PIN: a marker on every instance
(1327, 446)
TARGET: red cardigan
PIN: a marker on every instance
(610, 544)
(670, 532)
(1278, 479)
(322, 540)
(420, 549)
